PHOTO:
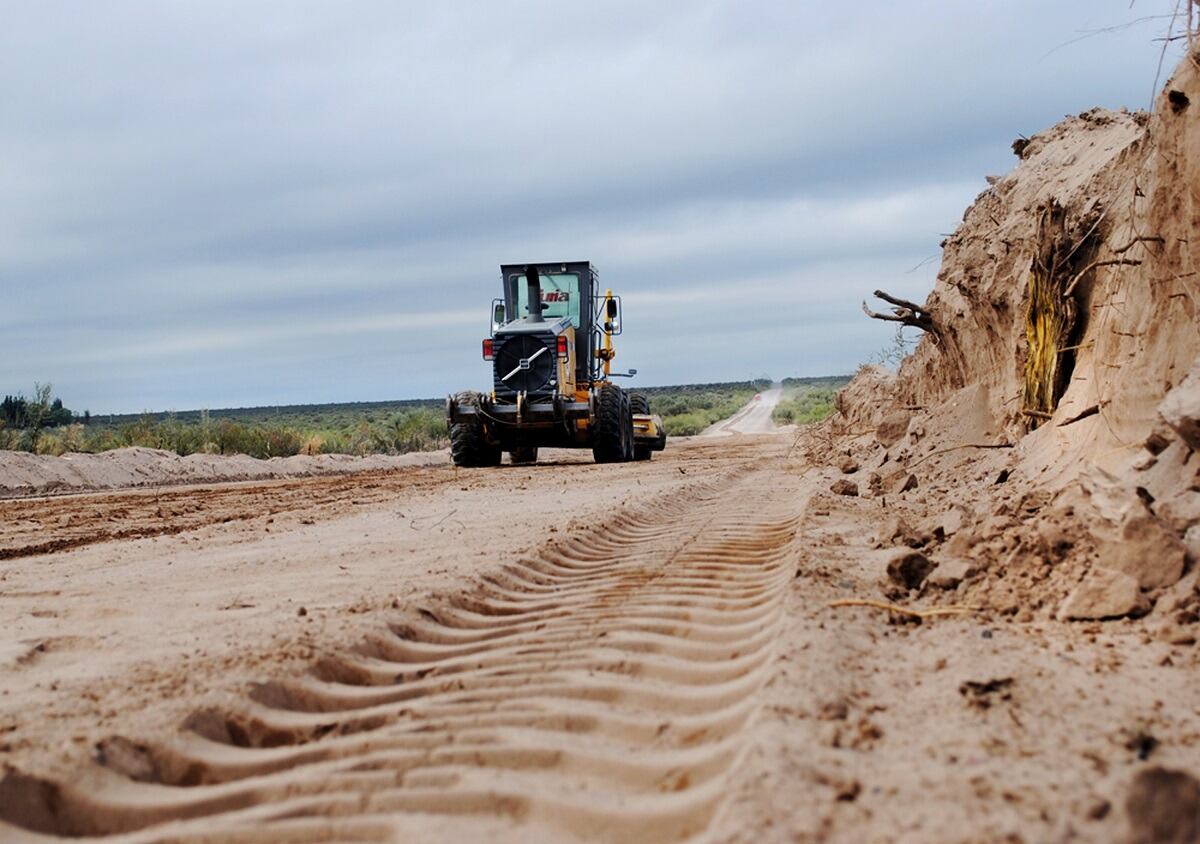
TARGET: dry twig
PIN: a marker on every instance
(933, 612)
(1070, 288)
(905, 313)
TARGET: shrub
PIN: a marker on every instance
(804, 405)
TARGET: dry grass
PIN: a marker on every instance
(1045, 330)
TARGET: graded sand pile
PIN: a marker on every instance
(23, 474)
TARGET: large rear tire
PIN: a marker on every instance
(612, 427)
(469, 447)
(640, 405)
(627, 421)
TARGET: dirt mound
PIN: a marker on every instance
(23, 474)
(1044, 431)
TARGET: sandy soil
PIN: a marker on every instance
(565, 651)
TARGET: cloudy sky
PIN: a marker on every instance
(213, 204)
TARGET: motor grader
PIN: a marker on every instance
(551, 352)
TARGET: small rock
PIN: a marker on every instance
(834, 710)
(1174, 634)
(1191, 541)
(1163, 807)
(961, 543)
(949, 574)
(909, 568)
(1104, 593)
(302, 612)
(844, 487)
(848, 791)
(1145, 462)
(910, 483)
(1157, 442)
(849, 466)
(953, 520)
(874, 482)
(128, 758)
(1181, 408)
(1146, 550)
(1055, 534)
(895, 531)
(893, 428)
(983, 693)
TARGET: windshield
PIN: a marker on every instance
(560, 296)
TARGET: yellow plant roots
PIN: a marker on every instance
(1044, 327)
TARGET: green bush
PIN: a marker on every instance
(688, 410)
(803, 404)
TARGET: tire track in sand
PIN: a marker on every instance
(595, 690)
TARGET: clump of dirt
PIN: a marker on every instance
(1041, 443)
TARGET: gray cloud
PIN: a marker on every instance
(257, 203)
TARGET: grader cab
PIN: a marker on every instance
(551, 352)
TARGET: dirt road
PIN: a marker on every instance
(754, 418)
(640, 652)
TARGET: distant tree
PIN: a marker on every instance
(14, 411)
(35, 413)
(87, 417)
(58, 415)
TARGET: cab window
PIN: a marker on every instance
(560, 296)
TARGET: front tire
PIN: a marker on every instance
(640, 405)
(469, 447)
(612, 426)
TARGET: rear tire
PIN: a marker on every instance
(640, 405)
(524, 456)
(469, 447)
(627, 421)
(612, 426)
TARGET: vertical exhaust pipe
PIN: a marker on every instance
(534, 294)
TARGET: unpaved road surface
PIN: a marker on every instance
(639, 652)
(754, 418)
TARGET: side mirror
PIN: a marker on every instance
(632, 371)
(612, 315)
(497, 314)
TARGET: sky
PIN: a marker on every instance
(226, 204)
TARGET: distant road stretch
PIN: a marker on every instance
(754, 418)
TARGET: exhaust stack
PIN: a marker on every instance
(534, 294)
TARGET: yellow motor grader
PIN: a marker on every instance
(551, 351)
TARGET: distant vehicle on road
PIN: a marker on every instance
(551, 351)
